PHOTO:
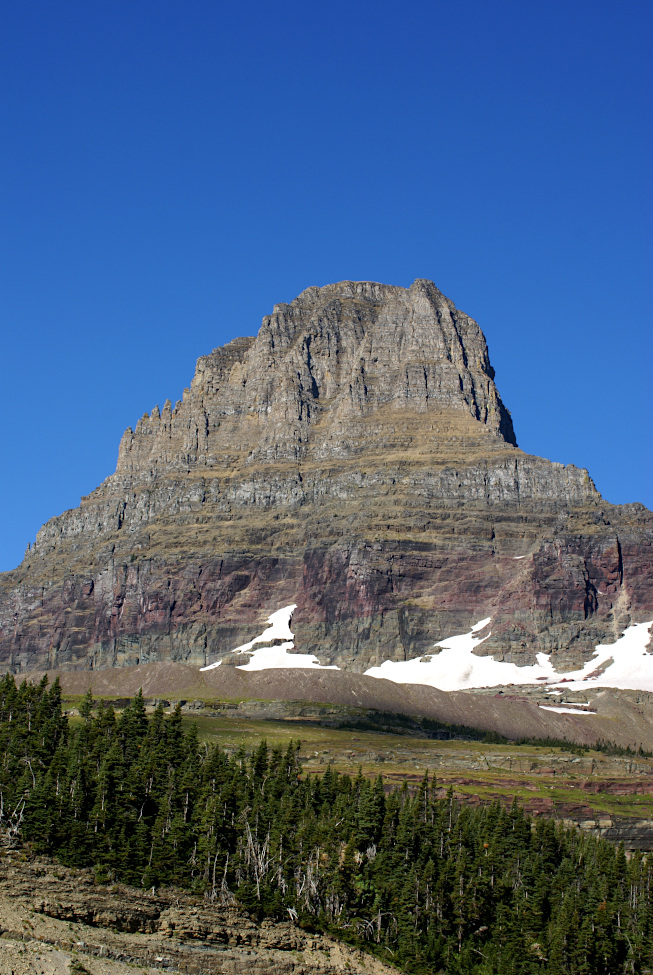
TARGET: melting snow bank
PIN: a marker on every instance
(456, 667)
(548, 707)
(625, 664)
(271, 658)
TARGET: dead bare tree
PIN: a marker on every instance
(256, 857)
(306, 882)
(10, 821)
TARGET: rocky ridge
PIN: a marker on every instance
(355, 458)
(59, 921)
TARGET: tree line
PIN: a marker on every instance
(425, 882)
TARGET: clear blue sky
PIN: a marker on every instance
(170, 170)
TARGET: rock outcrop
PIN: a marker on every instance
(355, 458)
(57, 921)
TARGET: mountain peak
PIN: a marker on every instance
(319, 371)
(353, 458)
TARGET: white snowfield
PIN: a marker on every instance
(273, 658)
(456, 668)
(625, 664)
(569, 710)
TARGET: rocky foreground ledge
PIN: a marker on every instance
(55, 921)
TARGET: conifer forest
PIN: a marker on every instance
(426, 883)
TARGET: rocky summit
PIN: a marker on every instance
(354, 459)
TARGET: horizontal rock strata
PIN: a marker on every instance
(354, 458)
(54, 921)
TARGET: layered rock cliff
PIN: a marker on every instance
(57, 921)
(354, 458)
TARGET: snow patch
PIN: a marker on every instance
(272, 658)
(481, 625)
(279, 629)
(212, 666)
(624, 664)
(548, 707)
(629, 665)
(457, 668)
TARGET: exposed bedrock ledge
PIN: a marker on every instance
(516, 483)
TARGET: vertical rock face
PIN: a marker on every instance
(318, 374)
(354, 458)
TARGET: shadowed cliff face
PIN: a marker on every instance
(354, 458)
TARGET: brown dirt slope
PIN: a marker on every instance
(623, 717)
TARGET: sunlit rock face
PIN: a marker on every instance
(354, 459)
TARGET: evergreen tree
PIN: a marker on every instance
(433, 884)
